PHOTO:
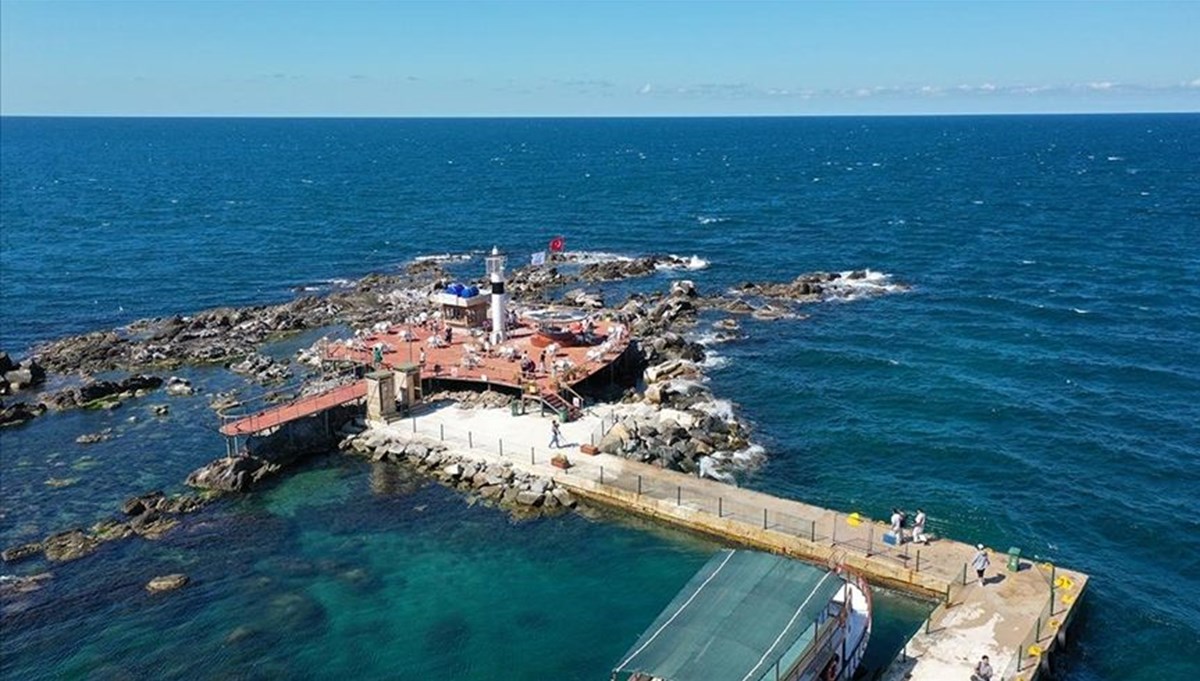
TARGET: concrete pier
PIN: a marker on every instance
(1016, 618)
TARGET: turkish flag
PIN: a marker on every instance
(557, 244)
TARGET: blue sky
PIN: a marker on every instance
(284, 58)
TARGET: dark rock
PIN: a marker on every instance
(20, 412)
(16, 553)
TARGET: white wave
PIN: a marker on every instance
(593, 257)
(710, 219)
(721, 409)
(1116, 158)
(325, 285)
(443, 257)
(850, 287)
(750, 456)
(713, 360)
(1079, 311)
(675, 262)
(1028, 262)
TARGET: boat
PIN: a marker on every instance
(756, 617)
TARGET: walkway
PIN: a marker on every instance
(296, 409)
(1013, 619)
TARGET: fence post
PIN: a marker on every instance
(442, 430)
(720, 507)
(833, 534)
(639, 484)
(964, 574)
(602, 475)
(870, 540)
(764, 518)
(501, 446)
(1053, 585)
(812, 531)
(414, 421)
(1037, 632)
(470, 440)
(678, 495)
(532, 461)
(918, 560)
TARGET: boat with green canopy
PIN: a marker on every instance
(756, 617)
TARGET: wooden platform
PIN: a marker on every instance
(296, 409)
(464, 358)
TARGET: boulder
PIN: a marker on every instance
(529, 498)
(16, 553)
(166, 582)
(20, 412)
(564, 497)
(179, 387)
(69, 545)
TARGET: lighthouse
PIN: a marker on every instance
(495, 270)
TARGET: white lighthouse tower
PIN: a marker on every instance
(495, 270)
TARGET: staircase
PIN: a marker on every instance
(557, 403)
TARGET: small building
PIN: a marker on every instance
(462, 306)
(756, 617)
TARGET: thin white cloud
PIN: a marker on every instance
(645, 89)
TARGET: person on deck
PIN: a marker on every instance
(983, 670)
(555, 433)
(980, 562)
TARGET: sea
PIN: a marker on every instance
(1036, 383)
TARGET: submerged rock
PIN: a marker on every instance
(166, 583)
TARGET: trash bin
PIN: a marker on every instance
(563, 416)
(1014, 559)
(515, 406)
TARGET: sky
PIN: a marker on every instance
(665, 58)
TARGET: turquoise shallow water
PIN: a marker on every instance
(1036, 388)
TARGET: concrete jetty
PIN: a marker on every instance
(1017, 618)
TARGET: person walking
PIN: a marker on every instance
(555, 433)
(980, 562)
(918, 534)
(983, 670)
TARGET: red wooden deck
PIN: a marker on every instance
(305, 406)
(462, 360)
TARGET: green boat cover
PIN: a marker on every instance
(739, 615)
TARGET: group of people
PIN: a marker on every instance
(900, 524)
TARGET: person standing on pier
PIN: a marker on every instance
(980, 562)
(898, 525)
(555, 433)
(918, 533)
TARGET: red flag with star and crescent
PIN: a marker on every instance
(557, 244)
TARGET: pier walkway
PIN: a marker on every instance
(1016, 618)
(296, 409)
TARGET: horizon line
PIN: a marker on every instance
(1154, 112)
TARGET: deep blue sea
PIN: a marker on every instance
(1038, 387)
